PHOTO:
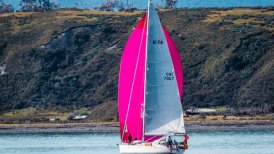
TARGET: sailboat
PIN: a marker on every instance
(150, 90)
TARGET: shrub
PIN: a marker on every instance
(6, 8)
(38, 5)
(170, 4)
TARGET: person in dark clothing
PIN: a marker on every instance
(169, 143)
(130, 138)
(176, 145)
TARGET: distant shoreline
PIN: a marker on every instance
(142, 5)
(114, 127)
(215, 126)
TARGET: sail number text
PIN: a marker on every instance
(169, 76)
(156, 42)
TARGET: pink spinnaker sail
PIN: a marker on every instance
(132, 78)
(131, 83)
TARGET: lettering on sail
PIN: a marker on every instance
(169, 76)
(157, 42)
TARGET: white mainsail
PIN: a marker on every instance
(163, 109)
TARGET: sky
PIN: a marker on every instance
(141, 4)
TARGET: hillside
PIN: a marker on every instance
(69, 60)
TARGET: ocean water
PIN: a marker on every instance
(141, 4)
(259, 141)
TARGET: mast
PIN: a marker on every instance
(144, 105)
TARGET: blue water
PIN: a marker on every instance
(89, 4)
(206, 142)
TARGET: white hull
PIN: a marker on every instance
(143, 149)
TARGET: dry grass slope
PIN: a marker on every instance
(63, 61)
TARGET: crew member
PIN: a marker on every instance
(185, 138)
(169, 143)
(185, 141)
(129, 138)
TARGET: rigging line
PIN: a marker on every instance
(145, 90)
(134, 76)
(151, 138)
(181, 121)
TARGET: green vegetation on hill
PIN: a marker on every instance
(68, 60)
